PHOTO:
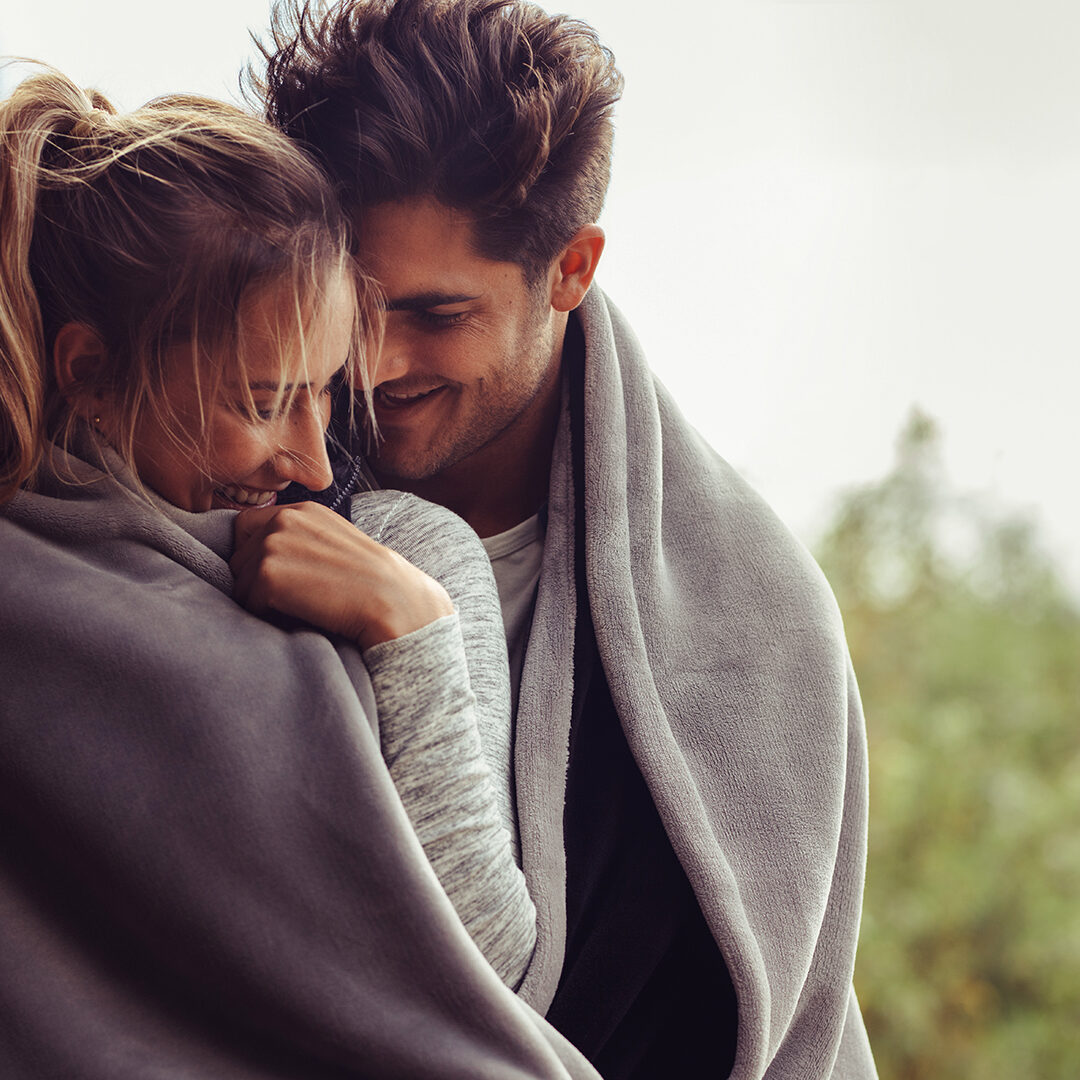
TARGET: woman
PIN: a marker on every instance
(206, 867)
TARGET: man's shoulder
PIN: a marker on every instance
(708, 525)
(716, 517)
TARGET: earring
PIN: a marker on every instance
(97, 421)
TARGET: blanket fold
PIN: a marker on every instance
(726, 661)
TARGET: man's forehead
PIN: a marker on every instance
(416, 221)
(422, 254)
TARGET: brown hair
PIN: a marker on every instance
(150, 228)
(493, 107)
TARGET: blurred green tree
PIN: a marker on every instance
(967, 646)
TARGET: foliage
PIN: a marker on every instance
(967, 647)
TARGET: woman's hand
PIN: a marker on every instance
(305, 561)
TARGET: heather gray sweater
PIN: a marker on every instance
(430, 733)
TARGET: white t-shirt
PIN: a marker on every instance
(516, 558)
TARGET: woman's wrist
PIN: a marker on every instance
(402, 611)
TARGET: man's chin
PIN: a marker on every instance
(403, 461)
(393, 466)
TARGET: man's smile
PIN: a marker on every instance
(404, 399)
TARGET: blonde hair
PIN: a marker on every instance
(150, 228)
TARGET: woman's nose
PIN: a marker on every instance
(394, 357)
(302, 457)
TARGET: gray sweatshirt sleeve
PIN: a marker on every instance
(437, 690)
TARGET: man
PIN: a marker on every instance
(688, 758)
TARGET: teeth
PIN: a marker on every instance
(398, 399)
(246, 498)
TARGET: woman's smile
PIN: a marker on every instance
(232, 497)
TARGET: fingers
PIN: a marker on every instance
(307, 562)
(250, 522)
(266, 540)
(249, 530)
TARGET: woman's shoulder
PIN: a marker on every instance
(428, 535)
(400, 513)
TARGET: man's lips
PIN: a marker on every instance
(397, 399)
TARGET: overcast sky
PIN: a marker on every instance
(822, 214)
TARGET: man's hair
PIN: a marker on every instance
(491, 107)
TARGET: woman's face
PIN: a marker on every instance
(248, 460)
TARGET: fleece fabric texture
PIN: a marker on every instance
(205, 868)
(727, 665)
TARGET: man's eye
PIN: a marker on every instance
(438, 318)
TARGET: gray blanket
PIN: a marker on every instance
(205, 870)
(726, 661)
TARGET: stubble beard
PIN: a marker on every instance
(425, 462)
(496, 404)
(491, 413)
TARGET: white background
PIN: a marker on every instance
(822, 214)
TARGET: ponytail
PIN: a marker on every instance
(149, 228)
(38, 108)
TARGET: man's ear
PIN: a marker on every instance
(575, 268)
(78, 361)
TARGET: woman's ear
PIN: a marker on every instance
(576, 267)
(78, 361)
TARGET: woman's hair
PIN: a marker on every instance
(152, 229)
(493, 107)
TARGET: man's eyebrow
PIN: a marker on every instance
(423, 301)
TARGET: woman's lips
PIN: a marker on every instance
(244, 498)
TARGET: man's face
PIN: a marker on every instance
(470, 352)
